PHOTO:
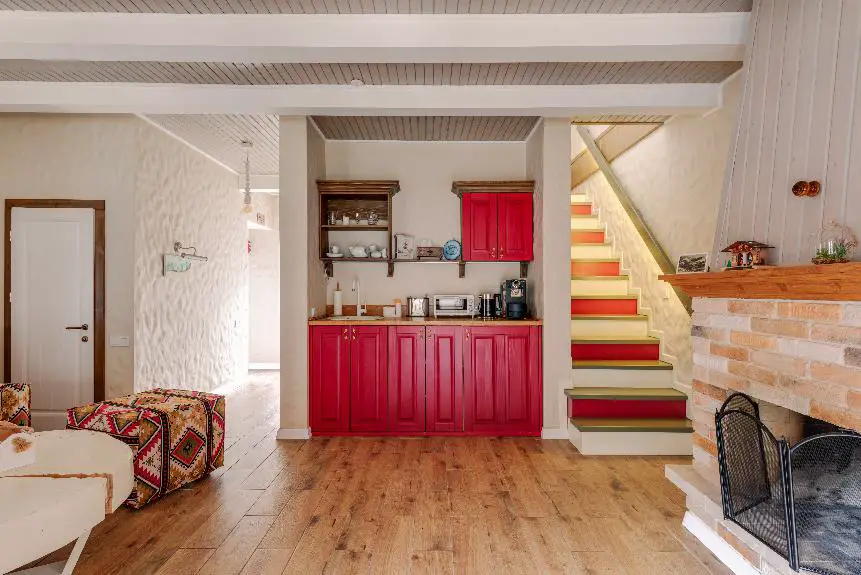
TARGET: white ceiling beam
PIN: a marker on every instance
(552, 101)
(392, 38)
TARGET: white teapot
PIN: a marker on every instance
(358, 252)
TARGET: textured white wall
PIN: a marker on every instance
(674, 177)
(191, 329)
(425, 208)
(85, 158)
(264, 296)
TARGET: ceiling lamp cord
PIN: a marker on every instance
(247, 207)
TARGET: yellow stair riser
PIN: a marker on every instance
(590, 223)
(578, 199)
(621, 377)
(599, 287)
(589, 252)
(610, 327)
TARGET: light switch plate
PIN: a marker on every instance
(119, 341)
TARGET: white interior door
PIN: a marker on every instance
(52, 309)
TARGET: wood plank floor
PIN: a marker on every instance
(390, 505)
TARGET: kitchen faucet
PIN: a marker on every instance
(358, 289)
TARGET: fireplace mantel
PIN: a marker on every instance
(835, 282)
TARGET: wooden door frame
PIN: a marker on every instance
(98, 207)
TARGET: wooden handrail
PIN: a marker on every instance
(658, 253)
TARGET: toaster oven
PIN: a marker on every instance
(454, 305)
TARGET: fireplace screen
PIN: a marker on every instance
(803, 502)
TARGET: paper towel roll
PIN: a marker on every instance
(339, 305)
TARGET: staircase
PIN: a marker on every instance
(622, 402)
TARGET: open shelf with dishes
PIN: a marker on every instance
(356, 206)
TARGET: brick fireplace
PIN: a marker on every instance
(796, 358)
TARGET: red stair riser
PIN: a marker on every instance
(628, 408)
(607, 306)
(581, 210)
(649, 351)
(594, 268)
(581, 237)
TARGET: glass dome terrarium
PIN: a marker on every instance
(836, 244)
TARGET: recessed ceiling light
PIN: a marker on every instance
(356, 82)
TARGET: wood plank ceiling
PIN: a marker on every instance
(513, 74)
(380, 6)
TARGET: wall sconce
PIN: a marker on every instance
(806, 189)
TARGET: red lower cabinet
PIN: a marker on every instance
(407, 379)
(502, 380)
(444, 369)
(416, 380)
(330, 378)
(369, 378)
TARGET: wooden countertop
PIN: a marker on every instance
(465, 321)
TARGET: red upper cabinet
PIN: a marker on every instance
(330, 378)
(368, 378)
(496, 220)
(502, 380)
(407, 379)
(444, 359)
(479, 226)
(515, 227)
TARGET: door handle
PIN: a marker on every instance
(83, 327)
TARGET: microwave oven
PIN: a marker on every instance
(454, 305)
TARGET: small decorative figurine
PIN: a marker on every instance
(745, 255)
(836, 244)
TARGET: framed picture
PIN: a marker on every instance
(693, 263)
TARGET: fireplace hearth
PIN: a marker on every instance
(802, 501)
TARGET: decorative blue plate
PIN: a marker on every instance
(451, 250)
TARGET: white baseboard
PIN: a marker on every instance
(554, 433)
(264, 366)
(300, 433)
(722, 550)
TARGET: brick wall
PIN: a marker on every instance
(795, 357)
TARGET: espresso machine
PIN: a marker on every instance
(514, 304)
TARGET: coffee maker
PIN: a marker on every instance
(514, 299)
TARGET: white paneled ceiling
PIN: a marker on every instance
(619, 119)
(380, 6)
(427, 128)
(513, 74)
(220, 135)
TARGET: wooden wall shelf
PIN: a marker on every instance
(837, 282)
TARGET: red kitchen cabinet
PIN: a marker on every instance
(479, 227)
(497, 226)
(444, 360)
(406, 379)
(502, 380)
(515, 227)
(368, 378)
(330, 378)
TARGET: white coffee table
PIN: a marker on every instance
(77, 479)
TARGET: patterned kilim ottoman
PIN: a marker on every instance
(177, 436)
(15, 403)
